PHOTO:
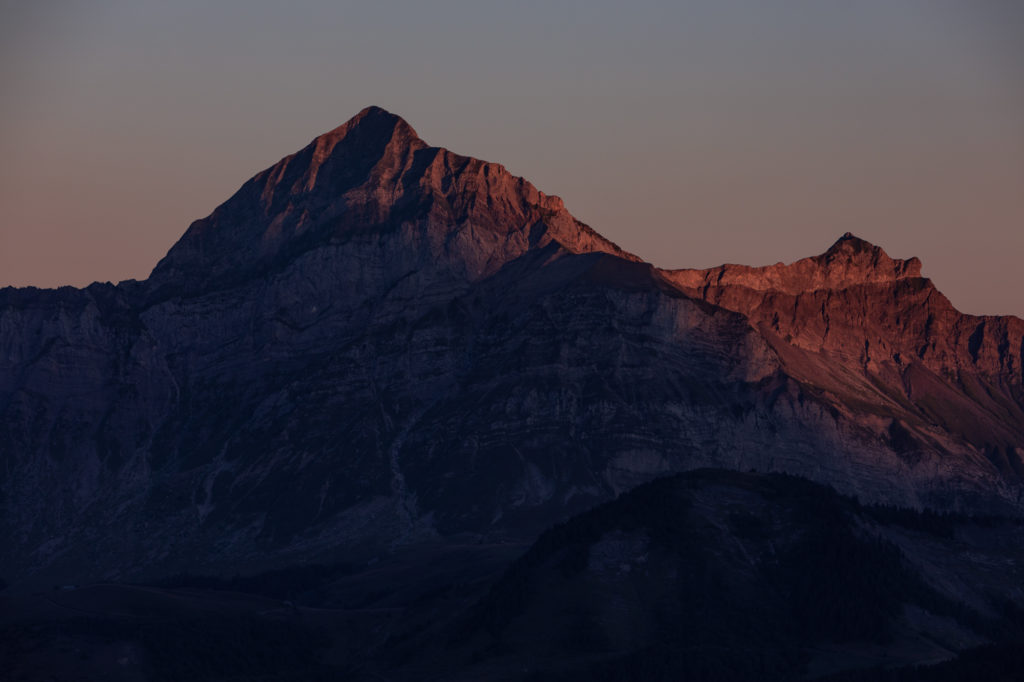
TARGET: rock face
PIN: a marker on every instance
(868, 332)
(377, 342)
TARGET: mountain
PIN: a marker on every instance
(378, 344)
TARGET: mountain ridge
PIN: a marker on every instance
(850, 261)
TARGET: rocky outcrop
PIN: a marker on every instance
(378, 342)
(867, 331)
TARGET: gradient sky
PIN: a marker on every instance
(690, 133)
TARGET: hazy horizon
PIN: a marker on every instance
(690, 134)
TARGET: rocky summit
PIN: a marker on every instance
(376, 343)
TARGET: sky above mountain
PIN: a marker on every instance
(690, 133)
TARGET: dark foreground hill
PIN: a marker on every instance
(376, 343)
(710, 575)
(729, 576)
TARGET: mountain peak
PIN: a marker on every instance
(851, 241)
(850, 261)
(368, 139)
(373, 122)
(373, 172)
(851, 245)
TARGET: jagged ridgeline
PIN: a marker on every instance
(377, 343)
